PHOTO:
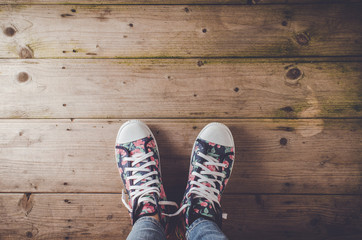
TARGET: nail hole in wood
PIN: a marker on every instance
(287, 109)
(66, 15)
(29, 234)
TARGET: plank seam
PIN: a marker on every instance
(187, 118)
(225, 194)
(249, 3)
(281, 57)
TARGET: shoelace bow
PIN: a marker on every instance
(143, 191)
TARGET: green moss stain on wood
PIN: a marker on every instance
(292, 111)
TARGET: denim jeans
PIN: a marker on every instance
(147, 228)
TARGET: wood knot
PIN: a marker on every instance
(23, 77)
(204, 30)
(283, 141)
(73, 10)
(26, 203)
(200, 63)
(130, 25)
(236, 89)
(25, 53)
(302, 39)
(294, 73)
(9, 31)
(186, 10)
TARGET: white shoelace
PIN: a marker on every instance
(202, 191)
(143, 191)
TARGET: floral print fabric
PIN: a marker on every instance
(144, 145)
(201, 206)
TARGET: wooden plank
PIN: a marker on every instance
(293, 217)
(63, 216)
(273, 156)
(102, 216)
(186, 88)
(298, 1)
(170, 2)
(128, 31)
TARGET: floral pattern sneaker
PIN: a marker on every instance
(211, 164)
(138, 162)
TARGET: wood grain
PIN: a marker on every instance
(170, 2)
(180, 88)
(273, 156)
(102, 216)
(163, 31)
(293, 217)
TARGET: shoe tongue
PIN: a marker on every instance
(144, 208)
(204, 207)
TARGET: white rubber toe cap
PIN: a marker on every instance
(131, 131)
(217, 133)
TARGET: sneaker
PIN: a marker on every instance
(139, 166)
(210, 169)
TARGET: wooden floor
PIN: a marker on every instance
(285, 76)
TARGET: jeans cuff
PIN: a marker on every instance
(194, 224)
(150, 219)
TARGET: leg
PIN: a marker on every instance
(205, 229)
(147, 228)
